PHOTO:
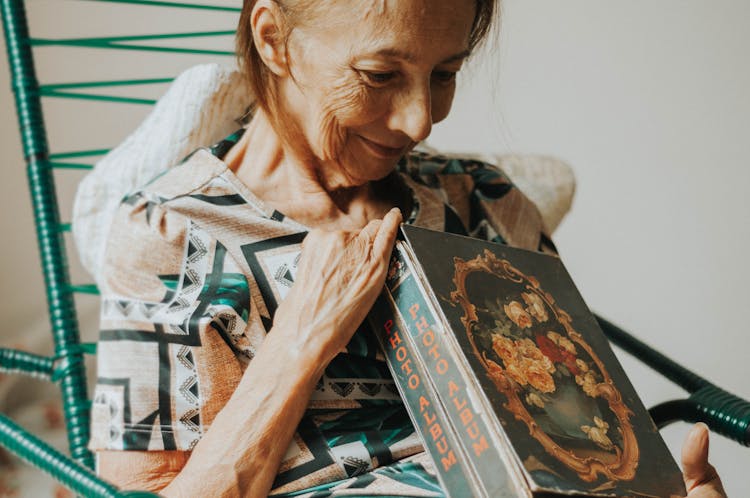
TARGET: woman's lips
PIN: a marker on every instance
(383, 151)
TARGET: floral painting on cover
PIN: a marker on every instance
(555, 386)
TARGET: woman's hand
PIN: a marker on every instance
(340, 275)
(701, 478)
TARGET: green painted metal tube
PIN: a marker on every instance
(97, 97)
(180, 5)
(688, 380)
(671, 411)
(106, 83)
(66, 165)
(85, 289)
(14, 361)
(79, 153)
(46, 216)
(123, 42)
(72, 475)
(722, 411)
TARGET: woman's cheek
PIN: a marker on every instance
(442, 100)
(348, 103)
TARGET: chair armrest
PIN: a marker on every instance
(82, 480)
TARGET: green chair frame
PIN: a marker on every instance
(724, 412)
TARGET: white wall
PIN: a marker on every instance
(648, 101)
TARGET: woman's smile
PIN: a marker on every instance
(384, 151)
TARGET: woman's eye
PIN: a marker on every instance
(378, 78)
(444, 76)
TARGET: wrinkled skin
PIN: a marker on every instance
(340, 274)
(388, 82)
(353, 81)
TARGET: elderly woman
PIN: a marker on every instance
(235, 284)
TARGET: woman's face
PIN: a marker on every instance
(367, 83)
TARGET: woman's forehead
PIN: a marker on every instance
(441, 14)
(361, 8)
(399, 28)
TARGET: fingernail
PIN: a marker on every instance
(698, 430)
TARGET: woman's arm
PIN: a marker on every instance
(241, 453)
(340, 275)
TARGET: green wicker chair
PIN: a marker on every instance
(723, 412)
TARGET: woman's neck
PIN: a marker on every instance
(295, 187)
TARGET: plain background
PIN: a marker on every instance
(648, 101)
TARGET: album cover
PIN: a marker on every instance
(506, 352)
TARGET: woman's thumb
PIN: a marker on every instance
(695, 467)
(695, 455)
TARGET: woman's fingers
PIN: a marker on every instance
(701, 479)
(386, 235)
(370, 231)
(340, 275)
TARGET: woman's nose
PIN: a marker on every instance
(412, 114)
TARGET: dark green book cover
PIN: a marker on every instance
(429, 418)
(426, 342)
(514, 324)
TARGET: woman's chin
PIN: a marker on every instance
(357, 168)
(377, 170)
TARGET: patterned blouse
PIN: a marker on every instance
(195, 268)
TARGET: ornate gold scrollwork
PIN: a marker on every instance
(624, 460)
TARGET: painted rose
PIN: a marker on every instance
(504, 347)
(517, 314)
(554, 337)
(525, 363)
(534, 399)
(562, 341)
(582, 365)
(588, 383)
(516, 373)
(494, 370)
(507, 351)
(555, 353)
(598, 433)
(567, 345)
(539, 378)
(528, 349)
(535, 306)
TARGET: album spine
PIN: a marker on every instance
(421, 401)
(457, 392)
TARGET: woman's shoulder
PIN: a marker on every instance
(198, 207)
(200, 190)
(194, 174)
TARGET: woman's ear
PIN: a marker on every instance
(269, 27)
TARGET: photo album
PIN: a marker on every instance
(511, 384)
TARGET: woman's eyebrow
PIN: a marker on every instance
(457, 57)
(408, 57)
